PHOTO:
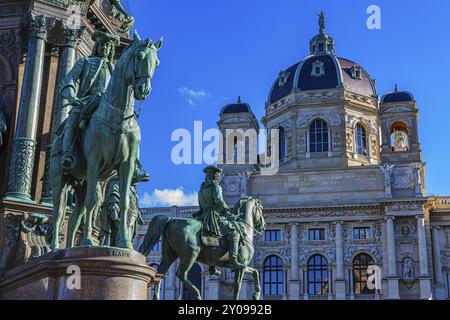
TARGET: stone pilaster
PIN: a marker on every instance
(425, 280)
(393, 290)
(294, 283)
(439, 285)
(340, 280)
(294, 135)
(24, 150)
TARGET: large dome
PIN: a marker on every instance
(321, 70)
(334, 73)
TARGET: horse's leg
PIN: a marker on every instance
(168, 257)
(59, 192)
(126, 172)
(257, 294)
(186, 264)
(91, 201)
(238, 276)
(77, 215)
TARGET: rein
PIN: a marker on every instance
(122, 119)
(245, 222)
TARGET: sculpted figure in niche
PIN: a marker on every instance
(408, 269)
(400, 141)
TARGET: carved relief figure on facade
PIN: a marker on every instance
(408, 269)
(387, 171)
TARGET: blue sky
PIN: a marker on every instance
(217, 50)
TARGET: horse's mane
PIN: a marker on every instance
(127, 53)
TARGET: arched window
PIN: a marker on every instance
(318, 136)
(361, 140)
(318, 275)
(273, 280)
(282, 143)
(361, 264)
(235, 149)
(195, 276)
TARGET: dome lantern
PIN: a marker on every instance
(321, 43)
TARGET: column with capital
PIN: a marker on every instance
(340, 279)
(66, 62)
(24, 150)
(60, 110)
(393, 290)
(294, 283)
(425, 280)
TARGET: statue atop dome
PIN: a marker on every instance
(321, 16)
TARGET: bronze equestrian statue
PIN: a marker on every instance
(108, 140)
(216, 237)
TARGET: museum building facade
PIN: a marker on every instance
(349, 201)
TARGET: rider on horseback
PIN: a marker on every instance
(91, 76)
(217, 219)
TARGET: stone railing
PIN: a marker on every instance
(169, 211)
(318, 298)
(442, 203)
(367, 297)
(274, 297)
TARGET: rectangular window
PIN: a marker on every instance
(272, 235)
(362, 233)
(316, 234)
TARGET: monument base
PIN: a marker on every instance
(82, 273)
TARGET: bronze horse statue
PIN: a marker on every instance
(108, 145)
(181, 238)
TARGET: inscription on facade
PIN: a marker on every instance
(321, 183)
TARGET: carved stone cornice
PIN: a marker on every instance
(39, 25)
(81, 5)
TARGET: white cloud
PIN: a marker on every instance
(193, 96)
(168, 198)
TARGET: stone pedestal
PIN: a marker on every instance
(214, 288)
(440, 292)
(393, 290)
(294, 290)
(82, 273)
(425, 288)
(340, 289)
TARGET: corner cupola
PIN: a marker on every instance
(321, 43)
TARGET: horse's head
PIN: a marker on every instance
(253, 206)
(144, 62)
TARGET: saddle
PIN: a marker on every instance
(213, 241)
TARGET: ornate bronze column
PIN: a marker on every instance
(66, 62)
(24, 151)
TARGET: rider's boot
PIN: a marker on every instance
(140, 175)
(233, 245)
(67, 158)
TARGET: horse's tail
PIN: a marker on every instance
(154, 233)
